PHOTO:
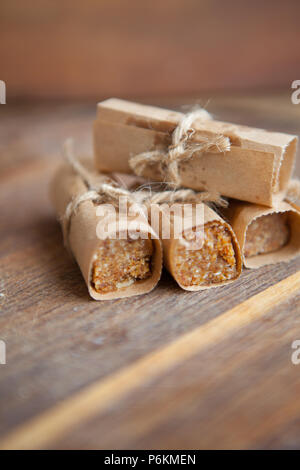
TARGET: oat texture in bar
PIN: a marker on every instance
(265, 235)
(113, 266)
(120, 263)
(216, 262)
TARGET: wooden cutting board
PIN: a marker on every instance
(170, 369)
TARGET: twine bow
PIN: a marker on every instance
(181, 148)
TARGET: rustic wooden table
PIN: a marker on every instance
(170, 369)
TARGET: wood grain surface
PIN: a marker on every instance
(170, 369)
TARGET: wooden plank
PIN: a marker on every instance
(102, 395)
(52, 328)
(240, 392)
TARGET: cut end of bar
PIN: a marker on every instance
(267, 234)
(214, 263)
(120, 263)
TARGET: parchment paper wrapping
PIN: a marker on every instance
(169, 247)
(294, 205)
(256, 169)
(240, 215)
(83, 241)
(293, 193)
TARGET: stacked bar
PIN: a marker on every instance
(210, 260)
(113, 264)
(254, 173)
(252, 170)
(256, 169)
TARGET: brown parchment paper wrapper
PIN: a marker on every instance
(294, 205)
(83, 241)
(240, 215)
(169, 249)
(256, 169)
(293, 193)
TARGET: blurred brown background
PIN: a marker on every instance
(95, 48)
(58, 58)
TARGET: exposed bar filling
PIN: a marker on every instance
(266, 234)
(120, 263)
(215, 262)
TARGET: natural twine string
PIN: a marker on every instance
(103, 189)
(181, 148)
(100, 191)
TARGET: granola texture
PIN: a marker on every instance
(266, 234)
(215, 262)
(120, 263)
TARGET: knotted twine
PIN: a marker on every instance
(181, 149)
(102, 189)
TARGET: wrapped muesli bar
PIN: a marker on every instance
(266, 235)
(211, 261)
(193, 151)
(114, 265)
